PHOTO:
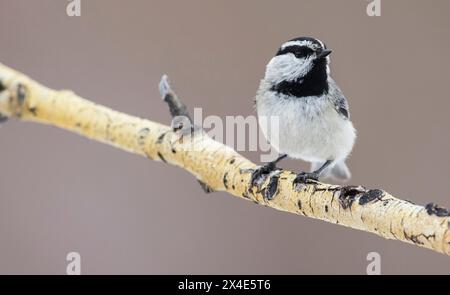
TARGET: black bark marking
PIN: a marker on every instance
(349, 194)
(392, 232)
(310, 203)
(2, 86)
(272, 188)
(142, 135)
(225, 180)
(415, 238)
(326, 208)
(333, 198)
(329, 189)
(33, 110)
(161, 138)
(232, 161)
(299, 204)
(433, 209)
(161, 157)
(363, 218)
(174, 151)
(371, 195)
(233, 187)
(406, 235)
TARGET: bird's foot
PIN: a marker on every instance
(305, 177)
(262, 172)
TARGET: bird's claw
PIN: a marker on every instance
(305, 177)
(261, 172)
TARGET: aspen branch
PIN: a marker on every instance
(221, 168)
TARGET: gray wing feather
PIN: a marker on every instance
(338, 99)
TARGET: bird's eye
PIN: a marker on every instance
(297, 51)
(303, 52)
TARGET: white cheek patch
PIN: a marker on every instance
(287, 67)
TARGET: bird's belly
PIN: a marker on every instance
(311, 131)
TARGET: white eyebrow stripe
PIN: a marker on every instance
(299, 43)
(321, 43)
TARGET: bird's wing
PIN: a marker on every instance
(338, 99)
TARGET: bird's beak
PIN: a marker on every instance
(324, 53)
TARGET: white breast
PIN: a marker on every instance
(309, 127)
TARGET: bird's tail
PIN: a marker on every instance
(338, 172)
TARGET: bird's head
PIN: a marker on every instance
(298, 58)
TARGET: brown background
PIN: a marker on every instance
(60, 192)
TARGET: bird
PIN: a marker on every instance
(312, 113)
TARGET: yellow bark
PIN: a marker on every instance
(223, 169)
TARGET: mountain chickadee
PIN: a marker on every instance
(313, 114)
